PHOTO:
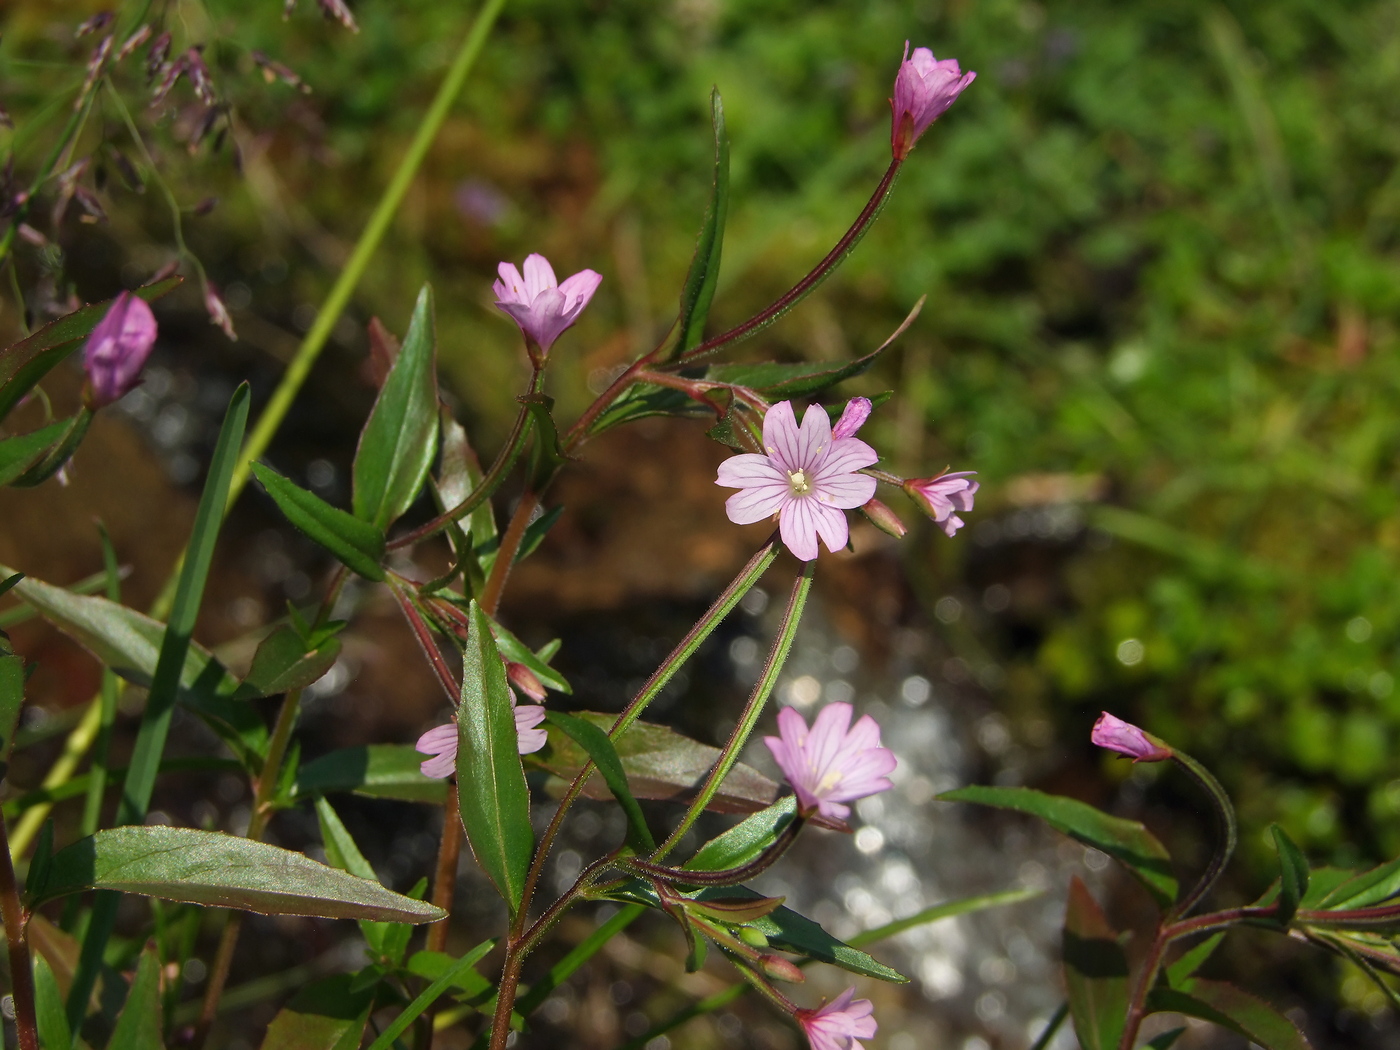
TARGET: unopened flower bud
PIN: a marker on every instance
(753, 937)
(884, 519)
(923, 90)
(853, 417)
(117, 349)
(1127, 739)
(525, 680)
(780, 969)
(218, 312)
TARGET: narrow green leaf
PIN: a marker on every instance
(18, 454)
(432, 965)
(429, 996)
(1367, 889)
(493, 797)
(206, 867)
(75, 428)
(342, 853)
(513, 649)
(23, 364)
(642, 401)
(356, 543)
(375, 770)
(11, 701)
(329, 1014)
(594, 741)
(745, 840)
(546, 456)
(54, 1031)
(536, 531)
(399, 441)
(1231, 1008)
(138, 1026)
(1125, 840)
(946, 910)
(283, 662)
(1179, 972)
(1293, 875)
(1096, 972)
(1166, 1040)
(703, 277)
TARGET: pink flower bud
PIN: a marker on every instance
(525, 680)
(940, 497)
(853, 418)
(1127, 739)
(884, 519)
(117, 349)
(218, 312)
(780, 969)
(924, 88)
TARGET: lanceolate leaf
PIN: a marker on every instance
(1125, 840)
(1293, 877)
(75, 428)
(1227, 1006)
(700, 282)
(376, 770)
(1365, 890)
(1096, 972)
(283, 662)
(357, 543)
(138, 1026)
(11, 700)
(513, 649)
(25, 363)
(493, 797)
(343, 853)
(54, 1030)
(18, 454)
(595, 741)
(399, 441)
(1181, 971)
(747, 839)
(329, 1014)
(206, 867)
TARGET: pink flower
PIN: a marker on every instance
(117, 349)
(807, 477)
(838, 1024)
(1127, 739)
(540, 305)
(939, 497)
(441, 741)
(924, 88)
(831, 763)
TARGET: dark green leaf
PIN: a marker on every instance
(641, 401)
(745, 840)
(1166, 1040)
(1365, 890)
(18, 454)
(283, 662)
(54, 1032)
(513, 649)
(329, 1014)
(493, 797)
(23, 364)
(546, 457)
(1125, 840)
(399, 441)
(1096, 972)
(376, 770)
(206, 867)
(536, 531)
(342, 853)
(358, 544)
(75, 428)
(1227, 1006)
(660, 764)
(433, 965)
(138, 1026)
(1293, 875)
(1185, 967)
(595, 741)
(429, 995)
(11, 701)
(701, 281)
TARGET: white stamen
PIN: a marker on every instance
(799, 483)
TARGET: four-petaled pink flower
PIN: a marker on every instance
(838, 1024)
(1127, 739)
(924, 88)
(540, 305)
(441, 741)
(940, 497)
(807, 476)
(117, 349)
(833, 762)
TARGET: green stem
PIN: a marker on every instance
(111, 691)
(375, 229)
(1226, 827)
(777, 656)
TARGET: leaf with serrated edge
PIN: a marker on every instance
(206, 867)
(1096, 972)
(745, 840)
(343, 853)
(1125, 840)
(492, 795)
(399, 440)
(282, 662)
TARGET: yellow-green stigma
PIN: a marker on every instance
(800, 485)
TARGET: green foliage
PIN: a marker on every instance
(1231, 1008)
(1096, 972)
(600, 749)
(329, 1014)
(139, 1024)
(375, 770)
(700, 283)
(358, 544)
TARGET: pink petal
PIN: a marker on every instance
(844, 456)
(853, 417)
(815, 437)
(845, 491)
(749, 470)
(578, 291)
(438, 739)
(511, 287)
(798, 529)
(441, 767)
(539, 275)
(528, 738)
(755, 504)
(828, 733)
(831, 525)
(780, 436)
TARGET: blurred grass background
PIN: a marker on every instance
(1159, 241)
